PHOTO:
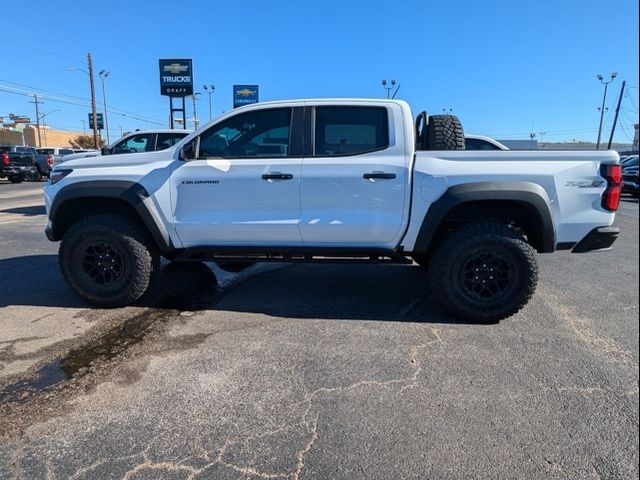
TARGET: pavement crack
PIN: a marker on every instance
(302, 454)
(582, 328)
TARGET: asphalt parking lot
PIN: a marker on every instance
(314, 372)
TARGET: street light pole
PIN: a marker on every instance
(103, 75)
(84, 127)
(210, 91)
(604, 99)
(391, 86)
(195, 116)
(44, 124)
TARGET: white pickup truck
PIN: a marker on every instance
(333, 180)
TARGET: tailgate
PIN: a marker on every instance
(21, 160)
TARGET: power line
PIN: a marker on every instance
(41, 50)
(79, 102)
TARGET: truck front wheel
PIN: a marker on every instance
(108, 260)
(483, 272)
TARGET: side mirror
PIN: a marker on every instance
(105, 151)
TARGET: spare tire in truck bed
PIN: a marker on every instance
(439, 132)
(444, 132)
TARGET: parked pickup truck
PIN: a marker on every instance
(17, 163)
(333, 180)
(47, 156)
(136, 142)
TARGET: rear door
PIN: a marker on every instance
(243, 186)
(353, 187)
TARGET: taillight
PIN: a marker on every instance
(50, 160)
(611, 196)
(5, 158)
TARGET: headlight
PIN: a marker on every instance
(57, 175)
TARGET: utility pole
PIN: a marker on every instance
(37, 102)
(604, 99)
(96, 145)
(615, 119)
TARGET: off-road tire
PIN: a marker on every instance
(444, 132)
(459, 286)
(35, 176)
(138, 259)
(16, 178)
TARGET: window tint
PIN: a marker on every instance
(263, 133)
(166, 140)
(65, 151)
(135, 144)
(478, 144)
(46, 151)
(350, 130)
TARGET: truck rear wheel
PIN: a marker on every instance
(483, 272)
(108, 260)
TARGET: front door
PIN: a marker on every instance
(242, 188)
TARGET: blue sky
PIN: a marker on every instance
(506, 68)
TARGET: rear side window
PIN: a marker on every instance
(166, 140)
(65, 151)
(350, 130)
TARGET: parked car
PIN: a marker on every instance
(324, 180)
(17, 163)
(480, 142)
(136, 142)
(630, 175)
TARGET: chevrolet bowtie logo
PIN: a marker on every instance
(245, 92)
(175, 68)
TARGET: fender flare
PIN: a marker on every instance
(527, 193)
(132, 193)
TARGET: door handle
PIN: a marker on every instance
(277, 176)
(379, 176)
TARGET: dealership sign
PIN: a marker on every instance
(176, 77)
(244, 95)
(99, 121)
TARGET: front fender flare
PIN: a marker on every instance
(131, 192)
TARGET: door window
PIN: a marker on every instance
(258, 134)
(350, 130)
(166, 140)
(136, 144)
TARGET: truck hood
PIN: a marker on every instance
(124, 159)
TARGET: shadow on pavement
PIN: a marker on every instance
(396, 293)
(353, 292)
(36, 281)
(27, 211)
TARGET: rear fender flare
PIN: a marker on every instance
(527, 193)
